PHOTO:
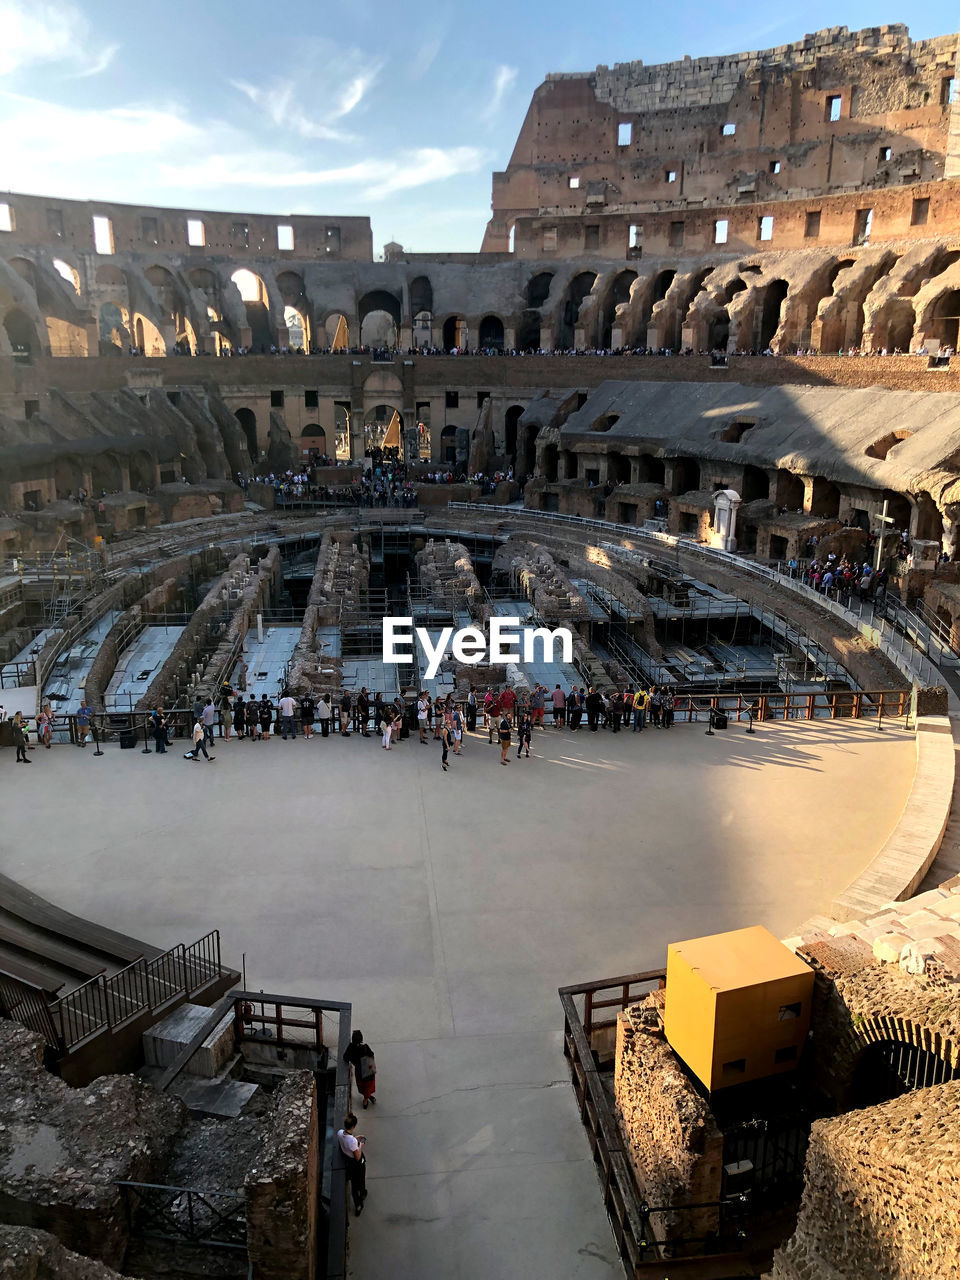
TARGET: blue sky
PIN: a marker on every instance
(399, 111)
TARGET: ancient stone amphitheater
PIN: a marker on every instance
(710, 337)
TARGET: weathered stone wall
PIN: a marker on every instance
(446, 573)
(257, 585)
(672, 1138)
(339, 583)
(881, 1194)
(62, 1150)
(26, 1254)
(282, 1192)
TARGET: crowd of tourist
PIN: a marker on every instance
(389, 353)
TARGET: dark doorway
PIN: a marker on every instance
(248, 423)
(511, 419)
(756, 484)
(686, 475)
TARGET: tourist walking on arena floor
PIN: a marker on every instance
(20, 738)
(655, 704)
(537, 699)
(199, 743)
(615, 711)
(456, 721)
(574, 707)
(346, 710)
(508, 701)
(45, 726)
(639, 710)
(525, 733)
(445, 740)
(472, 709)
(240, 716)
(668, 705)
(422, 718)
(504, 732)
(84, 716)
(360, 1056)
(354, 1161)
(288, 709)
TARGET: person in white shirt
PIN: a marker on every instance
(422, 717)
(288, 709)
(199, 744)
(354, 1162)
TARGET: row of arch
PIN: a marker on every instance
(877, 297)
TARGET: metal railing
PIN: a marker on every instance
(213, 1219)
(645, 1246)
(909, 660)
(105, 1003)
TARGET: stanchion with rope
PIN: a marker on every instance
(146, 748)
(96, 739)
(710, 733)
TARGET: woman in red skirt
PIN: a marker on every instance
(360, 1056)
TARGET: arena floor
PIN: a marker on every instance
(448, 908)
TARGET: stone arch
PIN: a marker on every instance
(248, 425)
(147, 336)
(114, 323)
(106, 473)
(313, 436)
(68, 272)
(25, 269)
(143, 472)
(296, 310)
(455, 333)
(573, 299)
(946, 319)
(382, 428)
(256, 301)
(490, 334)
(421, 295)
(550, 462)
(379, 300)
(769, 313)
(650, 470)
(618, 295)
(528, 331)
(686, 475)
(448, 444)
(511, 420)
(538, 289)
(755, 484)
(336, 331)
(22, 334)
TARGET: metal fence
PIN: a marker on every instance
(214, 1219)
(105, 1003)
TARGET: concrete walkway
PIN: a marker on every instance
(448, 908)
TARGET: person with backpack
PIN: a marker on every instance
(525, 733)
(360, 1056)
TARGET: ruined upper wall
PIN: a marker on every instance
(837, 111)
(68, 224)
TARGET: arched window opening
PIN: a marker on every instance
(577, 290)
(114, 326)
(755, 484)
(528, 332)
(252, 288)
(421, 295)
(550, 461)
(686, 475)
(336, 332)
(298, 333)
(490, 336)
(946, 319)
(773, 297)
(248, 423)
(650, 470)
(71, 276)
(618, 468)
(662, 284)
(538, 289)
(22, 336)
(378, 331)
(510, 424)
(448, 444)
(423, 329)
(382, 431)
(455, 334)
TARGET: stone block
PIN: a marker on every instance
(916, 954)
(888, 947)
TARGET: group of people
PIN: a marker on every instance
(843, 577)
(603, 709)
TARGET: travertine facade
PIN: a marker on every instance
(612, 160)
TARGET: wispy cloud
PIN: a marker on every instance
(156, 153)
(42, 32)
(282, 104)
(284, 101)
(503, 82)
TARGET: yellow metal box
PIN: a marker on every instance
(737, 1006)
